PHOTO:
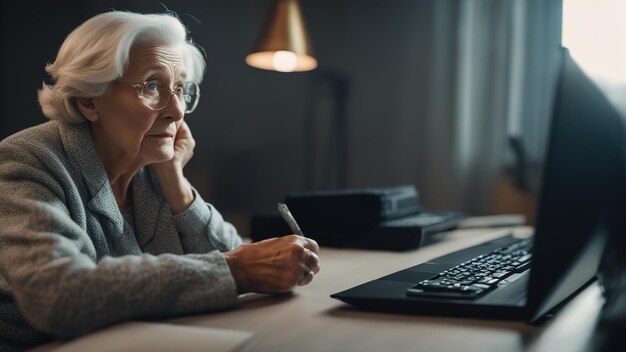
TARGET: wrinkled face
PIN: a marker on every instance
(131, 128)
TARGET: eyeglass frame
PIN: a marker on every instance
(141, 85)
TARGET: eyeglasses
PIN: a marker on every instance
(156, 96)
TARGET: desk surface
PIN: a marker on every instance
(310, 320)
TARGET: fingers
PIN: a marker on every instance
(311, 245)
(310, 262)
(308, 259)
(184, 144)
(309, 254)
(183, 130)
(183, 135)
(311, 266)
(308, 277)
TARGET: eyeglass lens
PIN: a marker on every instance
(157, 97)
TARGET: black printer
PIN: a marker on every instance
(386, 218)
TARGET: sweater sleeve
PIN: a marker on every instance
(202, 228)
(60, 282)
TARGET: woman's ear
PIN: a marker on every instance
(87, 108)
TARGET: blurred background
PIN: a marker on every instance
(450, 96)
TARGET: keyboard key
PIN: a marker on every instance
(501, 274)
(488, 281)
(522, 267)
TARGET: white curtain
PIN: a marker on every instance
(433, 91)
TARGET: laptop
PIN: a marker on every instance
(581, 204)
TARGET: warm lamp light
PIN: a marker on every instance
(283, 43)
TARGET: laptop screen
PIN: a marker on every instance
(582, 194)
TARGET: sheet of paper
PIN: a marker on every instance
(155, 337)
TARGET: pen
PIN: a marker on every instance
(286, 214)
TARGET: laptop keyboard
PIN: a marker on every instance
(477, 276)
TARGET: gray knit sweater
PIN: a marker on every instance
(68, 265)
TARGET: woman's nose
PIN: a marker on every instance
(175, 108)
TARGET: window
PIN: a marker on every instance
(595, 33)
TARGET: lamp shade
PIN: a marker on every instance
(283, 43)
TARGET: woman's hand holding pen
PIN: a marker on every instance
(274, 265)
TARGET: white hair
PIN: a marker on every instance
(97, 52)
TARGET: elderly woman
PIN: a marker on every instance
(97, 222)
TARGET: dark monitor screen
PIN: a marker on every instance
(582, 193)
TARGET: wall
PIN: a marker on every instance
(255, 128)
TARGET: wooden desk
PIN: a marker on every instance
(310, 320)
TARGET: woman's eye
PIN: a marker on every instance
(152, 86)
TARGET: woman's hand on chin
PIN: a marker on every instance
(184, 144)
(176, 190)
